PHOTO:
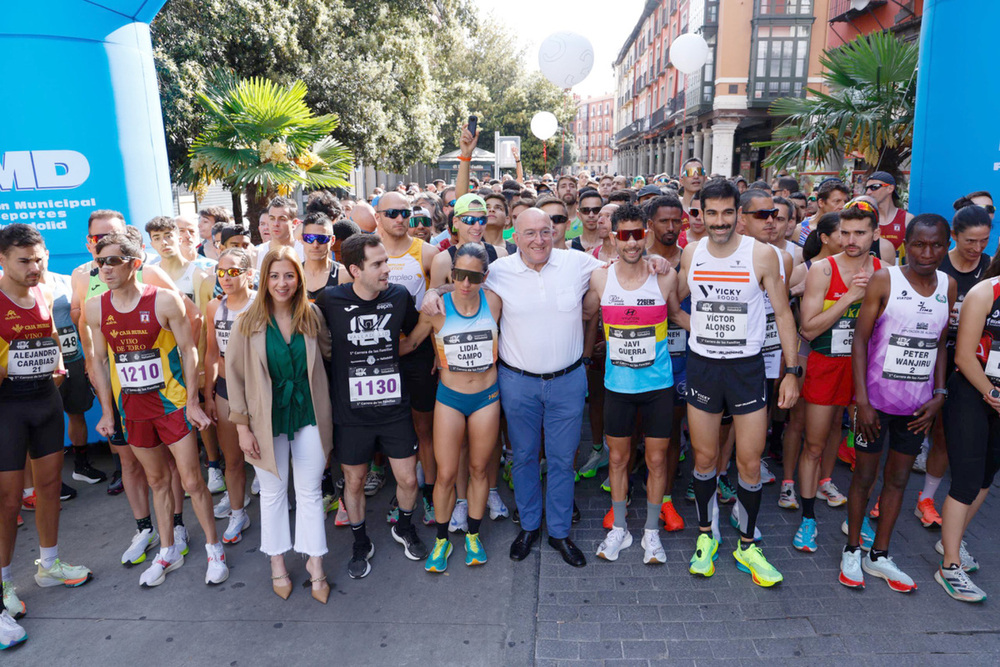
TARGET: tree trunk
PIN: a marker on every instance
(257, 199)
(237, 206)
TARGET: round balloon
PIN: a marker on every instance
(544, 124)
(566, 58)
(689, 53)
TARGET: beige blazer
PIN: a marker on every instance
(249, 383)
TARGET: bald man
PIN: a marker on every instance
(363, 215)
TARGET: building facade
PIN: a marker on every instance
(850, 18)
(759, 50)
(594, 129)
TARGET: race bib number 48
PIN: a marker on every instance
(69, 341)
(32, 359)
(140, 372)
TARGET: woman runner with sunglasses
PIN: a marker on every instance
(467, 397)
(320, 268)
(235, 276)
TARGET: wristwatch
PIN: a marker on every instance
(794, 370)
(587, 361)
(994, 393)
(942, 392)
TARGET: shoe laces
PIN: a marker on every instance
(440, 547)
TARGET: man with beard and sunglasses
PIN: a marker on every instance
(727, 275)
(409, 262)
(881, 186)
(638, 380)
(589, 208)
(421, 224)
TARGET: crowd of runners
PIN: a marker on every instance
(458, 335)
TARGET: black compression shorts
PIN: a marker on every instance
(654, 409)
(32, 427)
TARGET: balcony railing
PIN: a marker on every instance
(842, 10)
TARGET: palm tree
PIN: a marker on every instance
(868, 109)
(261, 139)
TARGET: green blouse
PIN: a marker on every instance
(291, 402)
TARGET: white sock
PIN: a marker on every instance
(240, 513)
(27, 492)
(5, 573)
(931, 484)
(169, 554)
(214, 548)
(48, 555)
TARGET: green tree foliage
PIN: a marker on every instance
(401, 75)
(868, 109)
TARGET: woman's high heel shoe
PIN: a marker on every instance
(321, 594)
(282, 591)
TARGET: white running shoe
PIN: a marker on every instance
(142, 542)
(787, 499)
(62, 574)
(969, 564)
(374, 480)
(495, 503)
(181, 540)
(11, 634)
(920, 463)
(11, 602)
(766, 476)
(255, 486)
(216, 482)
(652, 547)
(156, 573)
(459, 517)
(217, 571)
(829, 492)
(597, 459)
(956, 583)
(223, 507)
(851, 574)
(885, 568)
(234, 531)
(617, 539)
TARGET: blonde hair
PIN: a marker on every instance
(258, 315)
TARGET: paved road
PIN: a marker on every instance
(539, 611)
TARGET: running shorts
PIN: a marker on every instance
(972, 433)
(468, 403)
(221, 388)
(828, 380)
(162, 430)
(737, 386)
(418, 378)
(653, 409)
(77, 396)
(356, 445)
(901, 439)
(33, 427)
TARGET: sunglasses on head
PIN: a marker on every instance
(94, 238)
(625, 234)
(234, 272)
(590, 210)
(763, 213)
(861, 204)
(420, 221)
(694, 171)
(113, 260)
(473, 219)
(874, 187)
(461, 275)
(694, 212)
(316, 238)
(396, 212)
(559, 219)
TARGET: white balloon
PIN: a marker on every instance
(689, 53)
(544, 124)
(566, 58)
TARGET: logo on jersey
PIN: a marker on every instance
(645, 302)
(11, 315)
(369, 329)
(383, 306)
(144, 317)
(940, 298)
(110, 321)
(615, 300)
(17, 328)
(348, 309)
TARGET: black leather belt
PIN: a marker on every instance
(545, 376)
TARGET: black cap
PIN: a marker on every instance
(883, 176)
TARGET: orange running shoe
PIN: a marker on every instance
(874, 513)
(20, 520)
(927, 514)
(672, 521)
(28, 502)
(846, 454)
(609, 519)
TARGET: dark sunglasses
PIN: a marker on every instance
(316, 238)
(763, 213)
(625, 234)
(461, 275)
(559, 219)
(473, 219)
(812, 198)
(990, 208)
(232, 273)
(590, 210)
(694, 212)
(94, 238)
(874, 187)
(451, 203)
(396, 212)
(420, 220)
(113, 260)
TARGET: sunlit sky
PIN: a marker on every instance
(606, 24)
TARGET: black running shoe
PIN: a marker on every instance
(67, 493)
(413, 548)
(115, 486)
(84, 472)
(359, 566)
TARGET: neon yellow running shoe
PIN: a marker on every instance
(438, 560)
(752, 560)
(475, 554)
(705, 553)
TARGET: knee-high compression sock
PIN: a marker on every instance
(652, 516)
(620, 510)
(704, 488)
(749, 496)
